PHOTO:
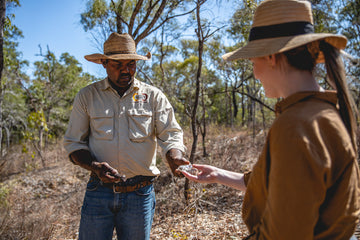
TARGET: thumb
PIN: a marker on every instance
(181, 161)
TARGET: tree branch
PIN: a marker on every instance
(119, 18)
(153, 21)
(256, 100)
(148, 12)
(133, 16)
(168, 18)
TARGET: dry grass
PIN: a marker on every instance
(44, 202)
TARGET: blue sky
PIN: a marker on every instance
(54, 23)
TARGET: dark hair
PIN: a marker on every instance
(304, 58)
(336, 76)
(301, 58)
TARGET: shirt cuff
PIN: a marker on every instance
(247, 176)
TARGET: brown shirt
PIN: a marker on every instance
(305, 184)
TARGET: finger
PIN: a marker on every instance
(201, 166)
(190, 176)
(110, 178)
(114, 173)
(178, 173)
(181, 161)
(106, 177)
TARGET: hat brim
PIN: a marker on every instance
(266, 47)
(97, 57)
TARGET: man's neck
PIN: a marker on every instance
(120, 90)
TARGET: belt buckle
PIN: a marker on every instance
(114, 189)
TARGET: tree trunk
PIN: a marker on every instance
(2, 23)
(227, 105)
(194, 125)
(119, 23)
(242, 107)
(203, 132)
(234, 103)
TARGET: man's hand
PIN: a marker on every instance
(175, 158)
(105, 172)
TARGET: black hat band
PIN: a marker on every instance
(280, 30)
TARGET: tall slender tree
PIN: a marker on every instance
(5, 26)
(2, 23)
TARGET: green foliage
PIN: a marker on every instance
(229, 95)
(37, 120)
(96, 13)
(349, 17)
(55, 85)
(241, 21)
(13, 114)
(40, 104)
(324, 16)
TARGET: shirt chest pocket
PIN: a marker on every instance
(102, 124)
(140, 124)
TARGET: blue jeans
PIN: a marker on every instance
(131, 214)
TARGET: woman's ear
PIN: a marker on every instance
(272, 60)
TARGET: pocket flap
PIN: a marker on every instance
(103, 113)
(140, 112)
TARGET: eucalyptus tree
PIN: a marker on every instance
(12, 109)
(139, 18)
(326, 19)
(349, 23)
(13, 106)
(49, 96)
(237, 75)
(165, 48)
(2, 23)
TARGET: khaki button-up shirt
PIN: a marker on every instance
(123, 131)
(305, 184)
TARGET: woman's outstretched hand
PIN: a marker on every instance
(207, 174)
(211, 174)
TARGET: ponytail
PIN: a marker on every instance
(337, 79)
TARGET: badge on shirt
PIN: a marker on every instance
(140, 97)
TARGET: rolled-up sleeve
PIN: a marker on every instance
(168, 131)
(76, 136)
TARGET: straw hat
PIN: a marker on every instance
(281, 25)
(118, 47)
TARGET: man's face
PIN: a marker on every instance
(120, 72)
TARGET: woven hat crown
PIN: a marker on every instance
(118, 47)
(282, 11)
(119, 44)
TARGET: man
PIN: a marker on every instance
(113, 131)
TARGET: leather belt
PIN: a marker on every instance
(125, 189)
(131, 184)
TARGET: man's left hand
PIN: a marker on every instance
(175, 158)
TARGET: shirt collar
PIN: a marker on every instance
(135, 85)
(327, 96)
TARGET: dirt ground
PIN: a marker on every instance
(44, 202)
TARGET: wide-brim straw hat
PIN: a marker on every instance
(118, 47)
(281, 25)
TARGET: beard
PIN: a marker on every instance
(124, 80)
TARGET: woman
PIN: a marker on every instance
(305, 184)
